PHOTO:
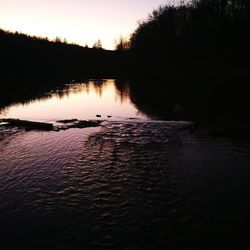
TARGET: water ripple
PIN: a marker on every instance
(134, 185)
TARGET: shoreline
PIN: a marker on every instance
(240, 130)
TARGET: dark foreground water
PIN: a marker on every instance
(124, 185)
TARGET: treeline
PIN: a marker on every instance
(208, 36)
(195, 57)
(196, 32)
(33, 59)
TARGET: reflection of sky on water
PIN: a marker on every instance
(81, 101)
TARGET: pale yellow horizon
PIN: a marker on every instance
(78, 21)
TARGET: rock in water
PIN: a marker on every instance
(28, 124)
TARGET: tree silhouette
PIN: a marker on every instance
(201, 30)
(122, 44)
(97, 44)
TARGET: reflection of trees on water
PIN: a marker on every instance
(122, 89)
(26, 96)
(188, 99)
(141, 95)
(83, 87)
(157, 98)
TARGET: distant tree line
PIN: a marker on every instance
(32, 59)
(195, 33)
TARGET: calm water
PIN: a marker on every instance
(81, 101)
(128, 184)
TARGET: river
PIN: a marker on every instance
(134, 182)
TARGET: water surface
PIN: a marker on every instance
(80, 100)
(127, 184)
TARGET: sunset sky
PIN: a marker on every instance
(79, 21)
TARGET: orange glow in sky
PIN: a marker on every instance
(79, 21)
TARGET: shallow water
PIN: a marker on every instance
(125, 185)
